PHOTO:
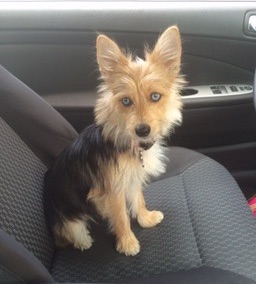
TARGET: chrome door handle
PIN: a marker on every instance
(252, 24)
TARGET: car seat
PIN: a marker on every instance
(208, 234)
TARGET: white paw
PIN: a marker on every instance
(79, 235)
(129, 246)
(84, 241)
(150, 218)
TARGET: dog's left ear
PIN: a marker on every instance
(167, 51)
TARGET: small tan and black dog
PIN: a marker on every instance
(111, 160)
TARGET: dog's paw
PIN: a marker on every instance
(150, 218)
(73, 233)
(83, 240)
(84, 243)
(128, 245)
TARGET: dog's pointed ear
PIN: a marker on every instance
(167, 51)
(109, 56)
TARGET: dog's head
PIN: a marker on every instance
(140, 101)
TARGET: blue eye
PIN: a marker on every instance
(155, 97)
(127, 102)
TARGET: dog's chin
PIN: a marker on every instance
(146, 145)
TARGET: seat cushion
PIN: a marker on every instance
(200, 275)
(207, 223)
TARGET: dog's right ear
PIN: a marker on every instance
(109, 56)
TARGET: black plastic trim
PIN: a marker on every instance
(135, 16)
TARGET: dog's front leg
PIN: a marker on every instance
(117, 214)
(146, 218)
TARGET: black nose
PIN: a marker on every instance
(142, 130)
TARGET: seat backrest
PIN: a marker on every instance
(21, 183)
(31, 134)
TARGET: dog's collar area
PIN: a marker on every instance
(143, 146)
(141, 158)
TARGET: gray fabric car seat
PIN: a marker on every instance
(208, 234)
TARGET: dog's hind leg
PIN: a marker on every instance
(146, 218)
(73, 232)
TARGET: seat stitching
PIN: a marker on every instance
(189, 213)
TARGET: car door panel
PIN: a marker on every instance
(53, 51)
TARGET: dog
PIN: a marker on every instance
(109, 163)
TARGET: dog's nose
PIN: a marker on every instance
(142, 130)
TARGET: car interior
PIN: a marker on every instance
(48, 88)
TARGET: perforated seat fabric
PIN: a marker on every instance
(207, 223)
(21, 206)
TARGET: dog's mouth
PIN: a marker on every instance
(146, 145)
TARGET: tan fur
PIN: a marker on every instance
(136, 79)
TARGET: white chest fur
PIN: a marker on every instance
(131, 173)
(154, 160)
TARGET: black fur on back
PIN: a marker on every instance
(69, 180)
